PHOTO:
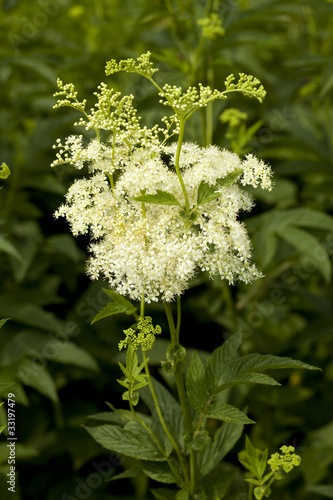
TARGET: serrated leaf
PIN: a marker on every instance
(160, 198)
(170, 409)
(227, 413)
(133, 443)
(225, 439)
(257, 362)
(195, 383)
(159, 472)
(247, 378)
(207, 192)
(229, 179)
(199, 441)
(218, 361)
(118, 305)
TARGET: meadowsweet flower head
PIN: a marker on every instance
(158, 213)
(154, 254)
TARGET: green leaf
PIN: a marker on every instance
(325, 490)
(118, 305)
(199, 441)
(227, 413)
(266, 245)
(64, 244)
(164, 494)
(5, 385)
(253, 459)
(219, 360)
(170, 409)
(277, 219)
(159, 472)
(207, 193)
(247, 378)
(257, 362)
(308, 245)
(30, 314)
(160, 198)
(23, 452)
(136, 443)
(7, 247)
(217, 482)
(225, 439)
(46, 182)
(229, 179)
(183, 495)
(195, 383)
(3, 321)
(43, 346)
(127, 474)
(36, 376)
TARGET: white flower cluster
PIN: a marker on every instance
(153, 250)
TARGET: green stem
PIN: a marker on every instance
(209, 110)
(158, 409)
(179, 175)
(158, 444)
(182, 395)
(179, 316)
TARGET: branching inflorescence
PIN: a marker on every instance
(158, 212)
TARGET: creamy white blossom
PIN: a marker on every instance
(154, 250)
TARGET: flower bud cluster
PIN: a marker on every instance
(211, 26)
(247, 85)
(285, 461)
(144, 337)
(70, 96)
(142, 66)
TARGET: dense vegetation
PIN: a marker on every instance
(65, 369)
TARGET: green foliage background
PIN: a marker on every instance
(63, 368)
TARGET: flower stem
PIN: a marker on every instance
(158, 409)
(181, 392)
(158, 444)
(177, 166)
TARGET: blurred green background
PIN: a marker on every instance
(63, 368)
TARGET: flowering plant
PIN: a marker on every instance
(158, 212)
